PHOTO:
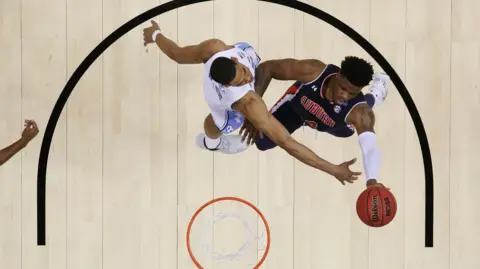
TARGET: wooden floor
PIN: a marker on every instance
(125, 176)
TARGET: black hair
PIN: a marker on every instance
(223, 70)
(357, 71)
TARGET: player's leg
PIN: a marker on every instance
(217, 138)
(343, 132)
(285, 114)
(212, 133)
(288, 118)
(378, 90)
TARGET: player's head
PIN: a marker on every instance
(229, 72)
(355, 74)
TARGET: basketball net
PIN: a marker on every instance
(228, 232)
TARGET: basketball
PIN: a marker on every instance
(376, 206)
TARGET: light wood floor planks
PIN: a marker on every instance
(125, 176)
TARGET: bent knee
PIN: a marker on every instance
(264, 145)
(210, 127)
(344, 132)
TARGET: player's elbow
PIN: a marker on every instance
(215, 43)
(177, 54)
(174, 55)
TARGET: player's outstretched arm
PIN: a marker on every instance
(30, 131)
(193, 54)
(286, 69)
(255, 110)
(363, 118)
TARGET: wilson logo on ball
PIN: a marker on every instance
(375, 209)
(376, 206)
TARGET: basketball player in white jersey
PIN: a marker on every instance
(228, 84)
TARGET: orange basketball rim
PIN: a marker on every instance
(236, 199)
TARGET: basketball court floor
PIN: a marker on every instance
(125, 177)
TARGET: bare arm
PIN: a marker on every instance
(255, 110)
(193, 54)
(286, 69)
(10, 151)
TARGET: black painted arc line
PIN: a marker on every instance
(69, 87)
(114, 36)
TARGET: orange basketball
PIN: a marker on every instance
(376, 206)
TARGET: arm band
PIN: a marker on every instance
(371, 155)
(154, 35)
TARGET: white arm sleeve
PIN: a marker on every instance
(371, 155)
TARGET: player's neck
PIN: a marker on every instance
(328, 93)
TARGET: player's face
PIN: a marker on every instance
(243, 75)
(343, 90)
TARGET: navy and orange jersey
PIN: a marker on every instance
(309, 102)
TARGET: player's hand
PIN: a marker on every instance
(250, 133)
(30, 131)
(344, 174)
(148, 32)
(373, 183)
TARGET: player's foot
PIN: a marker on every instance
(379, 87)
(229, 144)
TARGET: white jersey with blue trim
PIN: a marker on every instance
(220, 98)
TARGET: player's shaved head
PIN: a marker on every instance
(223, 70)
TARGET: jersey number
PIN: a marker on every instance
(312, 124)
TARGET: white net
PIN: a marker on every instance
(228, 234)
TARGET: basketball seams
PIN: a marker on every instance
(383, 207)
(369, 215)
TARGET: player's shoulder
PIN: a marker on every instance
(333, 68)
(216, 44)
(327, 71)
(316, 63)
(318, 71)
(213, 46)
(357, 101)
(309, 65)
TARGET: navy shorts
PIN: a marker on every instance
(285, 114)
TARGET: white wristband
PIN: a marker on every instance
(155, 34)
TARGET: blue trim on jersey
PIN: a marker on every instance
(234, 121)
(242, 45)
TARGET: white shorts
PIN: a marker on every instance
(233, 120)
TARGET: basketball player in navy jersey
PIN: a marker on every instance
(228, 87)
(328, 99)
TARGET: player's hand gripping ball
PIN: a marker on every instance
(376, 206)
